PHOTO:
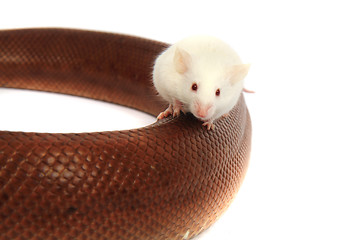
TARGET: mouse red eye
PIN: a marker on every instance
(217, 93)
(194, 87)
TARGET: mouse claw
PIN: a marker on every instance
(209, 125)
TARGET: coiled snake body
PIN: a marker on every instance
(169, 180)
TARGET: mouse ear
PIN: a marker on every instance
(238, 72)
(182, 60)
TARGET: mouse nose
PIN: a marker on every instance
(203, 110)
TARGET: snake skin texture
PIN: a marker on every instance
(169, 180)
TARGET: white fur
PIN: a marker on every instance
(211, 66)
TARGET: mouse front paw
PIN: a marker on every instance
(209, 125)
(165, 113)
(177, 108)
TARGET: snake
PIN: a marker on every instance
(171, 179)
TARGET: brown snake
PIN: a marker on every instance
(168, 180)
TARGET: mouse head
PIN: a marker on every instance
(209, 89)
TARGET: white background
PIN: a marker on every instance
(303, 181)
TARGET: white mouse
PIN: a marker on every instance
(202, 75)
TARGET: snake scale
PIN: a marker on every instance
(169, 180)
